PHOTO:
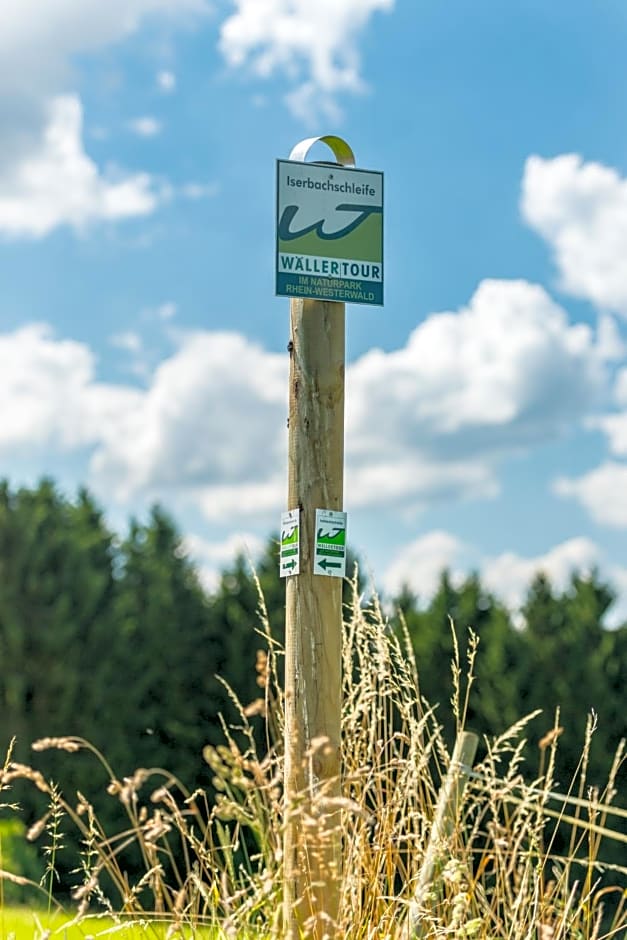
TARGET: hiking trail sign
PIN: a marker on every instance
(329, 235)
(330, 543)
(290, 543)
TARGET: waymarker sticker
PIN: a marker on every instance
(290, 543)
(330, 543)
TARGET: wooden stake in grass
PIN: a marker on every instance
(313, 683)
(445, 820)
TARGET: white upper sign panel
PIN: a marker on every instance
(329, 243)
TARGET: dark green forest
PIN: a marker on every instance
(112, 638)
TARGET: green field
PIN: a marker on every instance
(21, 923)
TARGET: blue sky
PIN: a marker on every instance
(142, 349)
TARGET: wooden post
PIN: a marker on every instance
(313, 682)
(444, 822)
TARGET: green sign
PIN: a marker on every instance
(289, 563)
(329, 242)
(330, 543)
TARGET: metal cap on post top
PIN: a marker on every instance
(342, 152)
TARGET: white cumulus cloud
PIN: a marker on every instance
(314, 44)
(49, 398)
(46, 177)
(602, 492)
(58, 184)
(213, 415)
(614, 423)
(420, 564)
(210, 423)
(434, 418)
(581, 210)
(508, 576)
(37, 45)
(211, 558)
(260, 498)
(430, 421)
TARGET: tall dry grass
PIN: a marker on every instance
(495, 873)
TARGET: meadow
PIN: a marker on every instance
(21, 923)
(431, 846)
